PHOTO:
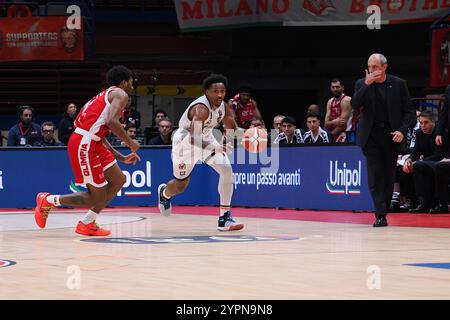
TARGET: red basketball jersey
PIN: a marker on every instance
(93, 115)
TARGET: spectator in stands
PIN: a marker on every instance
(339, 115)
(425, 150)
(273, 134)
(290, 132)
(314, 108)
(131, 130)
(26, 132)
(153, 131)
(277, 122)
(48, 136)
(165, 134)
(316, 134)
(66, 127)
(258, 123)
(244, 107)
(130, 115)
(159, 115)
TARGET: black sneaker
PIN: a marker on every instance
(380, 222)
(420, 209)
(165, 207)
(440, 208)
(227, 223)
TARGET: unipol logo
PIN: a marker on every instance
(137, 183)
(344, 179)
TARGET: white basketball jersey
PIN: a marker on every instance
(214, 118)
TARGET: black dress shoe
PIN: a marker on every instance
(420, 209)
(440, 208)
(381, 222)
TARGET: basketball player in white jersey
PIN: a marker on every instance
(194, 141)
(93, 159)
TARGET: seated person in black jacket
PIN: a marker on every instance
(424, 156)
(66, 127)
(48, 138)
(165, 134)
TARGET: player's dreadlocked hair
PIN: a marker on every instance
(215, 78)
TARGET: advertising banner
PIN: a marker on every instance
(440, 58)
(40, 38)
(208, 14)
(323, 178)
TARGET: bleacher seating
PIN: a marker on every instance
(47, 87)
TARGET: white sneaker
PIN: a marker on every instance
(227, 223)
(165, 207)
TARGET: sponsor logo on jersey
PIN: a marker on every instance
(83, 160)
(182, 169)
(188, 239)
(344, 179)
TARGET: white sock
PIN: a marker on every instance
(54, 199)
(164, 195)
(91, 216)
(224, 209)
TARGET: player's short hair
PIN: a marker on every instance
(380, 57)
(245, 89)
(130, 125)
(334, 80)
(427, 114)
(289, 120)
(48, 124)
(160, 111)
(117, 74)
(21, 109)
(165, 119)
(313, 115)
(215, 78)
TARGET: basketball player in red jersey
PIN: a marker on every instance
(93, 159)
(245, 108)
(339, 116)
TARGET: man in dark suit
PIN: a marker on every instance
(441, 169)
(386, 113)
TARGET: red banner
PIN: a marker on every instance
(440, 58)
(40, 38)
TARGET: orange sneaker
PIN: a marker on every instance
(43, 207)
(91, 229)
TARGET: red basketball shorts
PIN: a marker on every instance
(89, 160)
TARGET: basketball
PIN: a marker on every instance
(255, 140)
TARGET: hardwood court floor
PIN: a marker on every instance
(329, 260)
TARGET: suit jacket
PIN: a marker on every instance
(401, 111)
(444, 116)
